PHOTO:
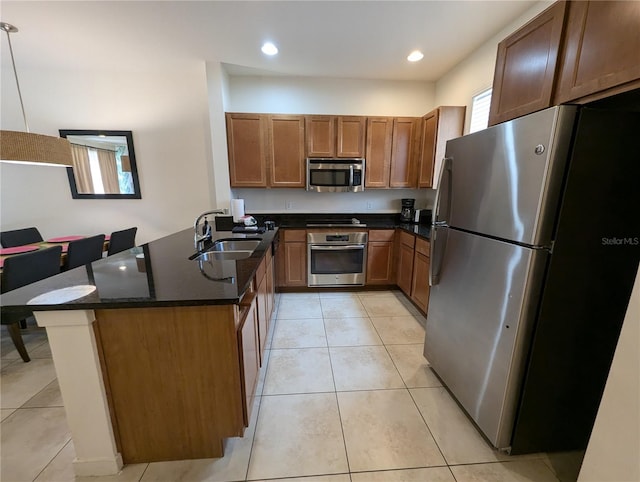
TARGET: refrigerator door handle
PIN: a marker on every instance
(445, 168)
(437, 252)
(437, 247)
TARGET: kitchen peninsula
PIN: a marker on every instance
(157, 354)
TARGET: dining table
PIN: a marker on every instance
(49, 243)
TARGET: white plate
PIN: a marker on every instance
(62, 295)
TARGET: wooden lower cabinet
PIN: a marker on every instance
(380, 257)
(249, 349)
(413, 268)
(420, 283)
(405, 261)
(292, 258)
(173, 379)
(179, 380)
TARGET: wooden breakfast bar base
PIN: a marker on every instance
(151, 384)
(75, 355)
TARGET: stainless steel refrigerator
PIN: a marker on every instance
(535, 245)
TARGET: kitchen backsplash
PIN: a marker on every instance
(300, 201)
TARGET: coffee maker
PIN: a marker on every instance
(407, 211)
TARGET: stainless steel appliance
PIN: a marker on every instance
(335, 175)
(337, 258)
(535, 245)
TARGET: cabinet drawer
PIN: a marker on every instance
(381, 234)
(295, 235)
(422, 246)
(407, 239)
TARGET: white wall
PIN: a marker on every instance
(302, 95)
(167, 112)
(475, 73)
(613, 454)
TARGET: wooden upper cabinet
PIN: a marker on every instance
(378, 152)
(403, 165)
(350, 136)
(286, 151)
(320, 136)
(601, 49)
(525, 66)
(246, 142)
(335, 136)
(438, 126)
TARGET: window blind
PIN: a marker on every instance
(480, 111)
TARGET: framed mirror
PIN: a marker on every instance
(104, 165)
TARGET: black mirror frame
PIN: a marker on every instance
(132, 159)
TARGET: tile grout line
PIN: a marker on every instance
(264, 382)
(52, 459)
(335, 395)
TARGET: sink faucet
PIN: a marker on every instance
(199, 239)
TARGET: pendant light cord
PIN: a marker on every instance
(6, 27)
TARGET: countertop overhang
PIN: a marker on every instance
(155, 274)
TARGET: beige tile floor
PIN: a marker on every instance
(346, 396)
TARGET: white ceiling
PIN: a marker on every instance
(345, 39)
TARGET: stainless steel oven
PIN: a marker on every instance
(337, 258)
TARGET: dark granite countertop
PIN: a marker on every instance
(155, 274)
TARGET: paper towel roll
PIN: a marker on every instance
(237, 209)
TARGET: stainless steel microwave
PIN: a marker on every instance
(335, 175)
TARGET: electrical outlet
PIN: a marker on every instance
(369, 205)
(289, 205)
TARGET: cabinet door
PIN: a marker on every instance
(601, 48)
(378, 154)
(438, 126)
(428, 151)
(379, 263)
(526, 65)
(248, 344)
(320, 136)
(271, 293)
(246, 140)
(405, 268)
(403, 168)
(263, 315)
(295, 264)
(286, 151)
(350, 136)
(420, 283)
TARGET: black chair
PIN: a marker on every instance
(20, 237)
(84, 251)
(122, 240)
(21, 270)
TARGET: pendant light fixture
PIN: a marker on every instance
(27, 148)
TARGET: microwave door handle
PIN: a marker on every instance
(351, 177)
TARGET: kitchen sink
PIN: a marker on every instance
(229, 249)
(228, 245)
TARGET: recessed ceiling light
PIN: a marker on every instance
(415, 56)
(269, 49)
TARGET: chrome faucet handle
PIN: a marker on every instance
(197, 238)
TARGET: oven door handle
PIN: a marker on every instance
(336, 248)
